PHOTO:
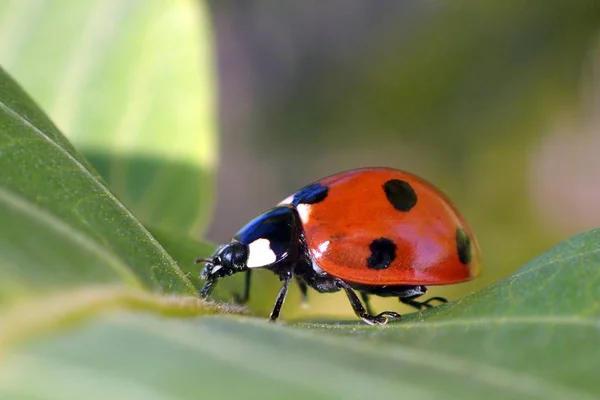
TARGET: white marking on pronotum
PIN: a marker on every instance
(287, 200)
(260, 253)
(216, 268)
(304, 212)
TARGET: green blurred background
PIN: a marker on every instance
(494, 102)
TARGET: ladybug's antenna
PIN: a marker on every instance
(203, 260)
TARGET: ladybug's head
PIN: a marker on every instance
(226, 260)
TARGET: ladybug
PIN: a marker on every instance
(375, 231)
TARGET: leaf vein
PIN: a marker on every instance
(552, 262)
(104, 189)
(516, 320)
(23, 205)
(451, 364)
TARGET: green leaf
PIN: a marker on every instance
(535, 332)
(61, 226)
(184, 250)
(131, 83)
(532, 335)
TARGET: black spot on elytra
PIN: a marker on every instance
(311, 194)
(400, 194)
(383, 252)
(463, 246)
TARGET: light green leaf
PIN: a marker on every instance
(61, 226)
(131, 83)
(533, 335)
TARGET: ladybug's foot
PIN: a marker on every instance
(440, 299)
(422, 305)
(359, 309)
(207, 288)
(381, 318)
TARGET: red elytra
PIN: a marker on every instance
(377, 231)
(339, 229)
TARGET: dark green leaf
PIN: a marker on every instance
(533, 335)
(61, 225)
(534, 332)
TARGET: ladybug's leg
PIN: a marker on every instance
(367, 301)
(440, 299)
(303, 291)
(359, 310)
(243, 299)
(287, 277)
(208, 287)
(420, 305)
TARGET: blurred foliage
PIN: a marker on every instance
(94, 332)
(445, 87)
(131, 83)
(460, 96)
(78, 315)
(459, 92)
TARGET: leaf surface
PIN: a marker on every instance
(532, 335)
(61, 226)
